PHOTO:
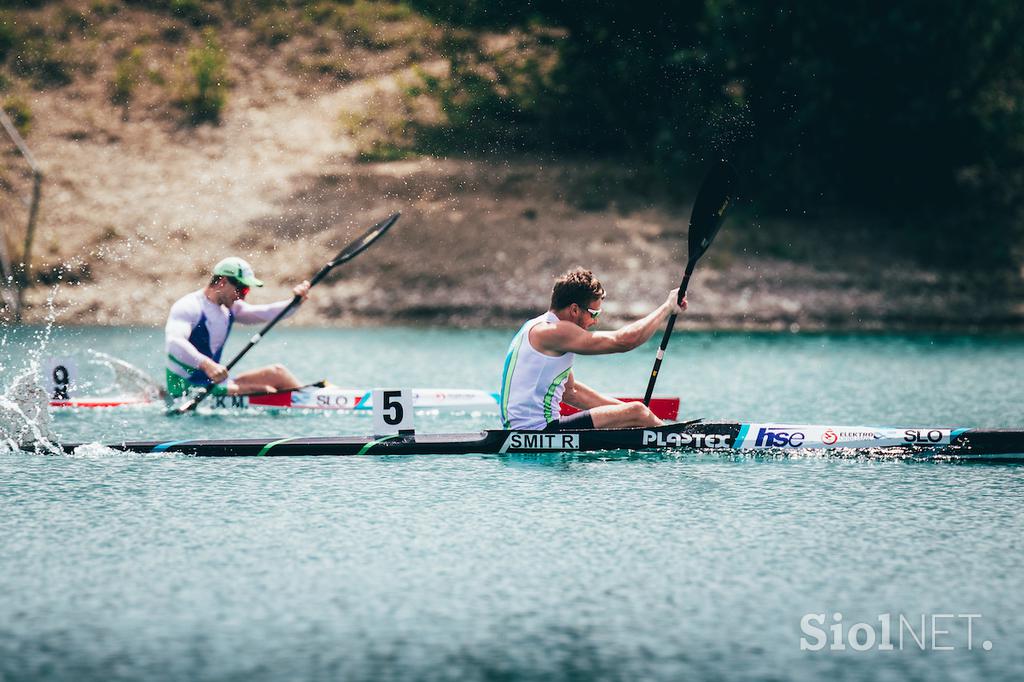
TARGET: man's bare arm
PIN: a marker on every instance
(583, 397)
(565, 337)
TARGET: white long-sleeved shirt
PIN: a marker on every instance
(198, 328)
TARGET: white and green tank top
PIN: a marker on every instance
(532, 383)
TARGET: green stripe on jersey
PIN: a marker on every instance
(181, 364)
(551, 393)
(506, 380)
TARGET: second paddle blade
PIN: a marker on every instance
(364, 241)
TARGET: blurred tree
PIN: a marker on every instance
(901, 104)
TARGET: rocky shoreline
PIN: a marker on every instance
(750, 294)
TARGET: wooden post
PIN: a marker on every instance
(23, 277)
(11, 300)
(30, 232)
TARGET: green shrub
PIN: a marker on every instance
(70, 21)
(196, 12)
(246, 12)
(20, 113)
(9, 34)
(273, 28)
(321, 64)
(204, 94)
(486, 101)
(104, 8)
(390, 11)
(323, 13)
(382, 150)
(383, 136)
(40, 61)
(361, 25)
(173, 33)
(127, 73)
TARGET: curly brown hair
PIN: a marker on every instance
(577, 286)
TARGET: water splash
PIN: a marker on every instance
(24, 417)
(128, 378)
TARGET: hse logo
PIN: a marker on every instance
(779, 438)
(696, 440)
(541, 441)
(829, 437)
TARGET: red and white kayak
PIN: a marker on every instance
(337, 398)
(348, 399)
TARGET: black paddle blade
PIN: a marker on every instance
(715, 195)
(358, 246)
(369, 237)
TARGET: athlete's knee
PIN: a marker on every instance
(640, 414)
(637, 410)
(279, 370)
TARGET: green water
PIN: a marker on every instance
(689, 566)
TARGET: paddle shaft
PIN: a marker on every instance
(668, 334)
(296, 300)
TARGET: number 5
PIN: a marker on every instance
(392, 407)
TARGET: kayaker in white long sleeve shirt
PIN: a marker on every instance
(198, 327)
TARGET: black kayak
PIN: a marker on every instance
(963, 443)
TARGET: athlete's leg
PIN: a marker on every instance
(574, 422)
(265, 379)
(623, 415)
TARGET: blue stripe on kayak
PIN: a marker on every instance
(163, 446)
(958, 432)
(741, 436)
(362, 404)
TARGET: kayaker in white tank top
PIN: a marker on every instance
(533, 383)
(538, 375)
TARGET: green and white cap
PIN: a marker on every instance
(236, 268)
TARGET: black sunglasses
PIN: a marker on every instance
(242, 289)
